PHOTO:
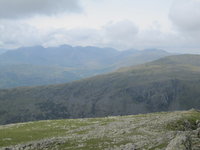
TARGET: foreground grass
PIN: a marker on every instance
(148, 131)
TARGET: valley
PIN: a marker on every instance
(171, 83)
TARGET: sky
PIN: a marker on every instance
(172, 25)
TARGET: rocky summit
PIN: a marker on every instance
(178, 130)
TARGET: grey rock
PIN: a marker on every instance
(182, 141)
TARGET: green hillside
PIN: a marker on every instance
(162, 85)
(157, 131)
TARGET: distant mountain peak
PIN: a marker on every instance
(154, 50)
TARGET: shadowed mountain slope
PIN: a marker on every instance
(171, 83)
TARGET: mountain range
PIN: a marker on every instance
(170, 83)
(31, 66)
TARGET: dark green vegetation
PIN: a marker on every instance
(171, 83)
(30, 66)
(156, 131)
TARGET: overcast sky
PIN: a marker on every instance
(173, 25)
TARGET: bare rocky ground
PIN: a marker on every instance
(157, 131)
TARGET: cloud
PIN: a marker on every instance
(12, 9)
(19, 34)
(121, 30)
(77, 36)
(125, 34)
(185, 15)
(120, 33)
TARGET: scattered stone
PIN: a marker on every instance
(182, 141)
(143, 132)
(187, 125)
(42, 144)
(198, 132)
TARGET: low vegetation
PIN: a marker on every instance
(156, 131)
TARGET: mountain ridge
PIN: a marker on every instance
(141, 89)
(66, 61)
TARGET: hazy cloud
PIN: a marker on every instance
(120, 33)
(19, 34)
(185, 14)
(80, 36)
(25, 8)
(183, 33)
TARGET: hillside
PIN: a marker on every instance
(152, 87)
(14, 75)
(157, 131)
(30, 66)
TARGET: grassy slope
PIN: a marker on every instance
(146, 88)
(149, 131)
